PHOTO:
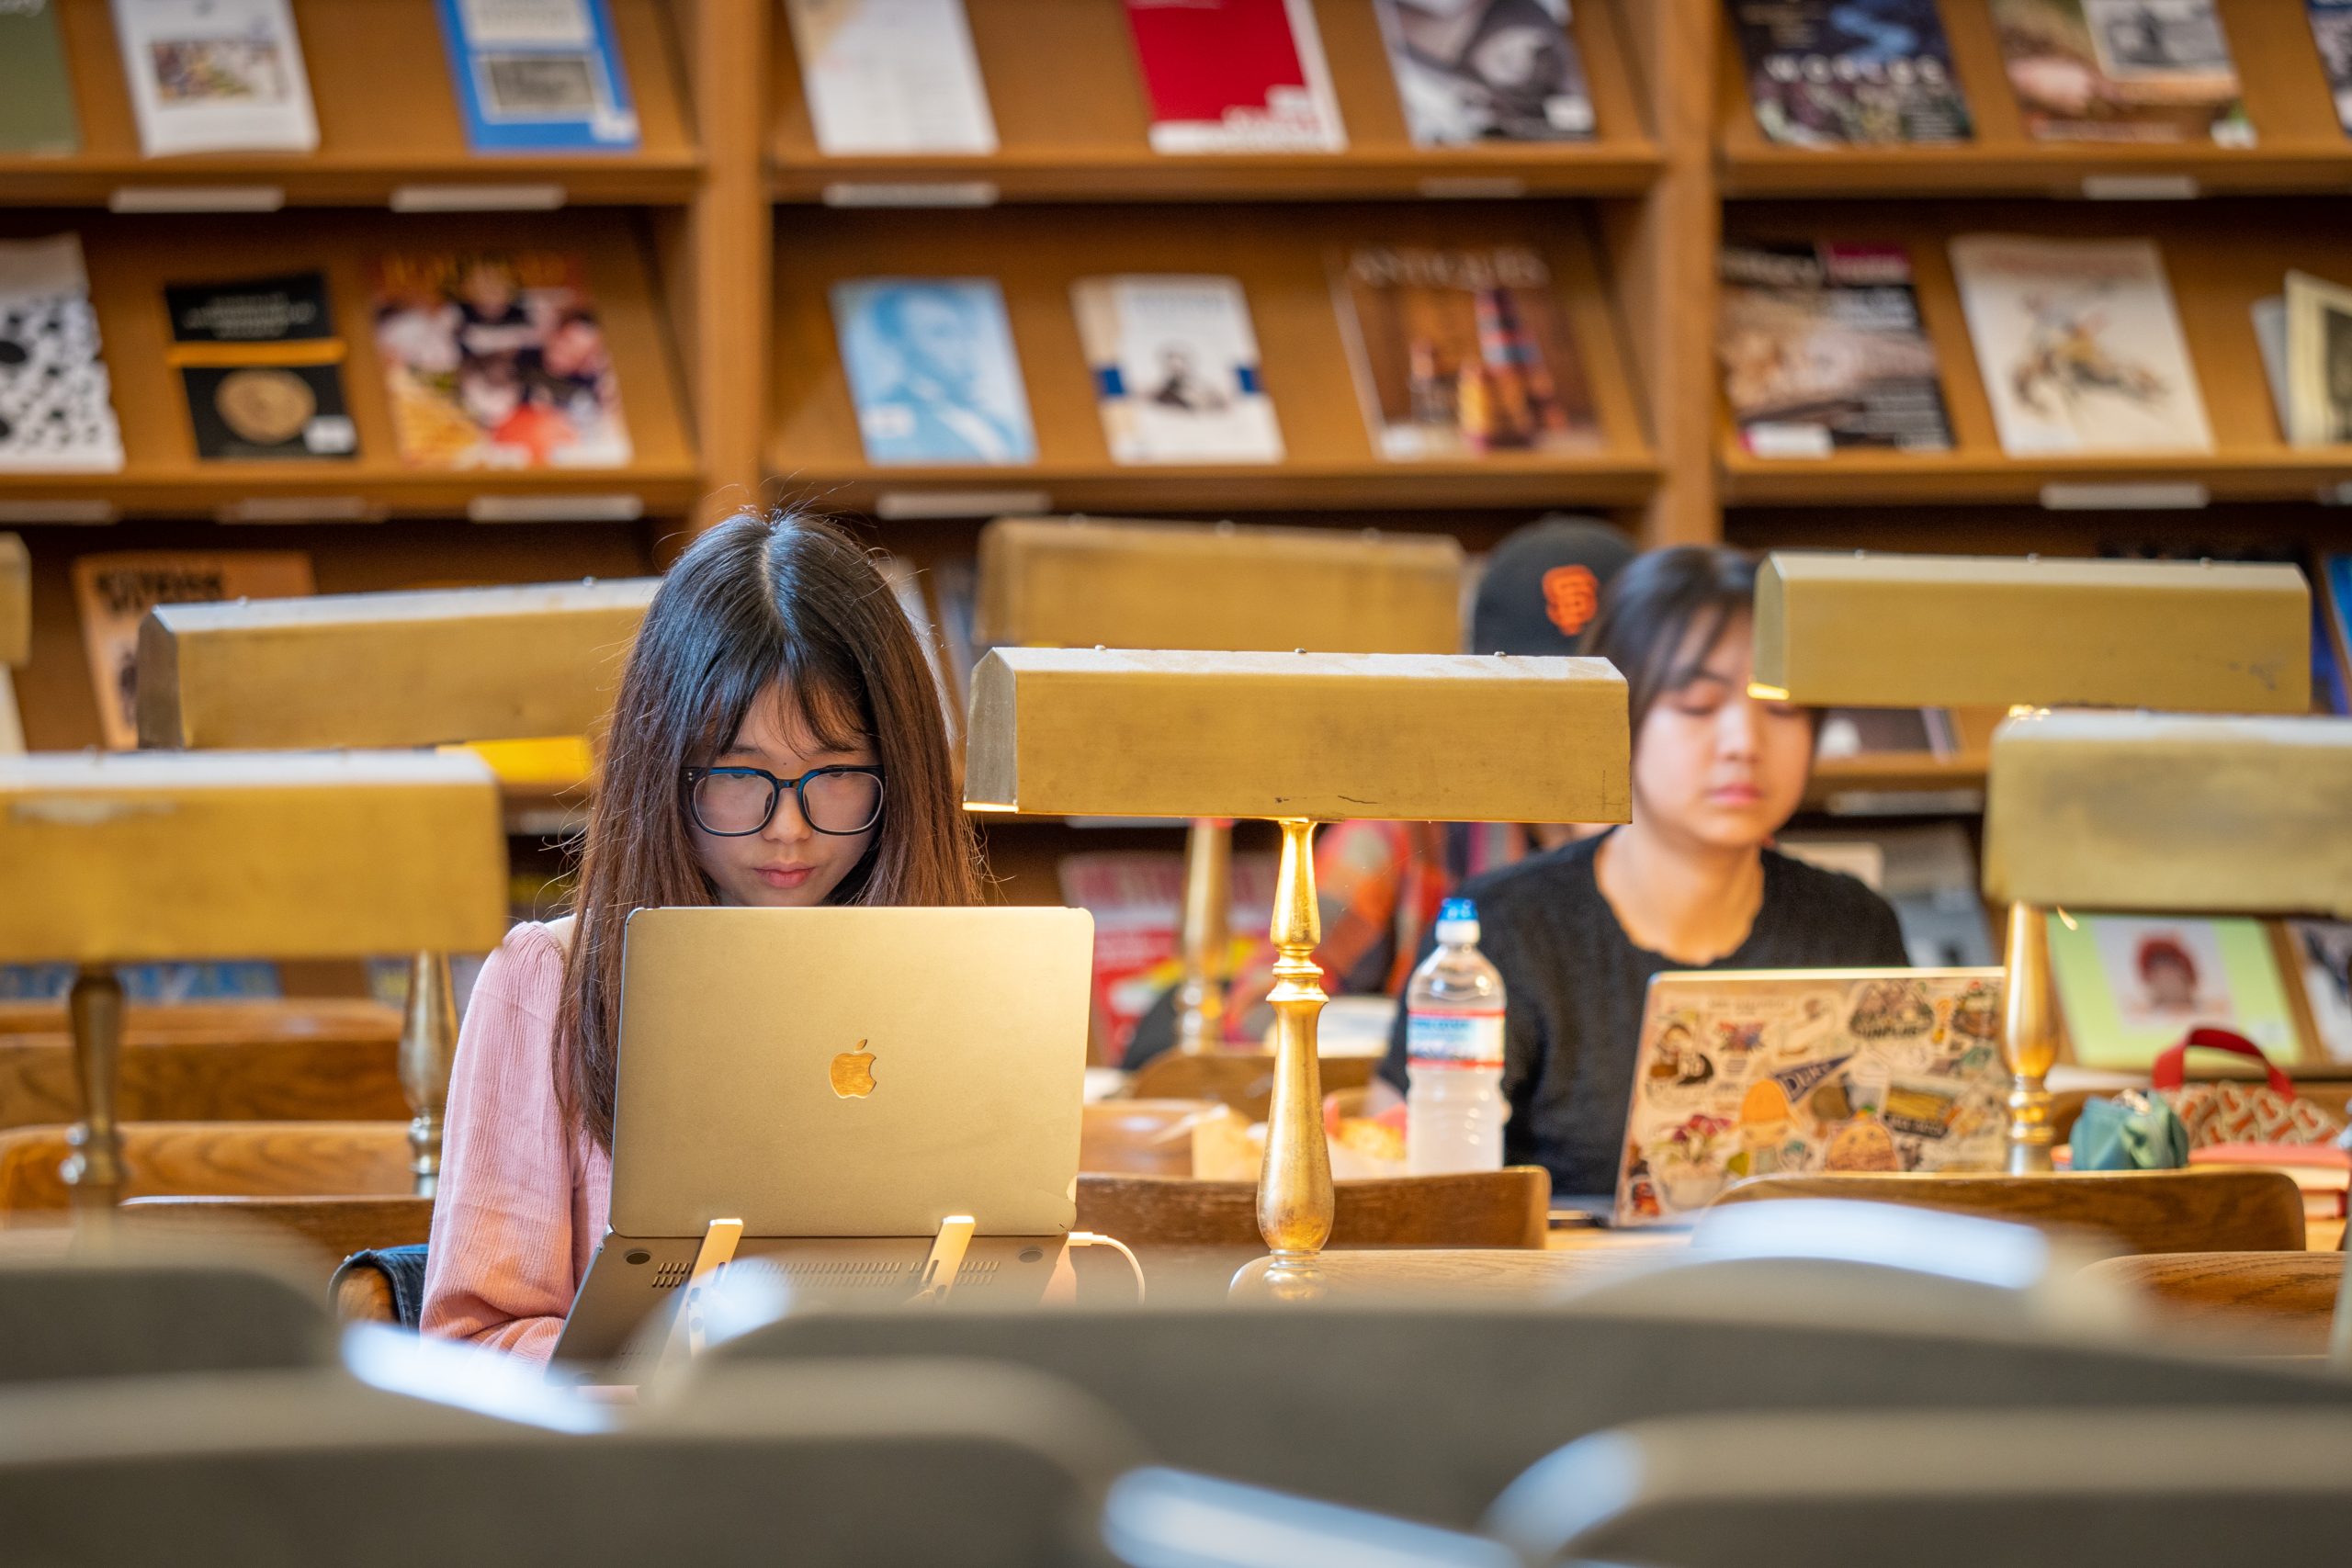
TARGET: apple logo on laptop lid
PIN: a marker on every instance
(852, 1073)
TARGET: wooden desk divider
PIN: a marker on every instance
(1084, 581)
(112, 859)
(1909, 631)
(16, 635)
(1298, 737)
(411, 669)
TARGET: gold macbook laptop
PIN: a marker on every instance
(842, 1081)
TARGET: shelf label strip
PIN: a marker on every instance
(555, 509)
(196, 198)
(910, 505)
(477, 199)
(2127, 497)
(910, 193)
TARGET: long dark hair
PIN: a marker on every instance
(1650, 609)
(761, 600)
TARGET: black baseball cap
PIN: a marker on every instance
(1543, 583)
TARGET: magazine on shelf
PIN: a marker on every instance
(2122, 71)
(262, 367)
(2323, 952)
(1822, 348)
(2319, 361)
(56, 406)
(1175, 368)
(1463, 352)
(496, 359)
(216, 76)
(2078, 345)
(2132, 986)
(2332, 586)
(35, 93)
(538, 76)
(1472, 71)
(1235, 76)
(1849, 72)
(890, 76)
(933, 370)
(2269, 317)
(2332, 31)
(114, 592)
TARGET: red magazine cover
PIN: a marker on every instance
(1235, 76)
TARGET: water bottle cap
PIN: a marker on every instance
(1458, 909)
(1457, 921)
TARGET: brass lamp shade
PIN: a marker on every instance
(2159, 812)
(1312, 735)
(387, 668)
(15, 603)
(1957, 631)
(1079, 581)
(109, 858)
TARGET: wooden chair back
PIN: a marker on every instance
(325, 1060)
(1494, 1207)
(2279, 1303)
(248, 1159)
(1243, 1080)
(2206, 1210)
(1140, 1137)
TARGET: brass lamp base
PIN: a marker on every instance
(1294, 1184)
(2028, 1043)
(428, 1047)
(94, 1169)
(1200, 1000)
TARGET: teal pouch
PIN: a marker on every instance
(2134, 1130)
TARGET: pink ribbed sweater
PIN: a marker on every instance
(522, 1200)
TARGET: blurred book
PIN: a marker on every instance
(1822, 348)
(538, 76)
(1461, 352)
(496, 359)
(56, 403)
(890, 76)
(932, 369)
(2319, 361)
(1472, 71)
(35, 93)
(1235, 76)
(2331, 23)
(2322, 1172)
(1847, 72)
(1175, 367)
(216, 76)
(2332, 588)
(906, 587)
(2323, 955)
(2269, 316)
(1882, 732)
(2079, 345)
(114, 592)
(262, 366)
(2122, 71)
(955, 590)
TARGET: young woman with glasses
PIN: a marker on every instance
(776, 741)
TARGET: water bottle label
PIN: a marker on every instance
(1454, 1040)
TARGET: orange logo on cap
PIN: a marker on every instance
(1571, 597)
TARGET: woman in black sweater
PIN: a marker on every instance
(1688, 885)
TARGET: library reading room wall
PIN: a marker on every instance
(328, 295)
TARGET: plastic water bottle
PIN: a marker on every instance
(1454, 1046)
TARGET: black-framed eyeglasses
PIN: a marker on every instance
(734, 803)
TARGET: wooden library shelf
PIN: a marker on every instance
(2214, 288)
(1285, 272)
(390, 129)
(2299, 145)
(130, 262)
(1073, 124)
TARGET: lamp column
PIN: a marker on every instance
(1295, 1185)
(1200, 1001)
(95, 1168)
(2029, 1043)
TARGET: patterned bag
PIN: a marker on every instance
(2233, 1112)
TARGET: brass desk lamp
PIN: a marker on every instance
(1930, 631)
(107, 860)
(385, 669)
(15, 636)
(1300, 739)
(1101, 582)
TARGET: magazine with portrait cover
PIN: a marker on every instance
(1844, 73)
(2078, 345)
(262, 367)
(56, 404)
(36, 95)
(1463, 352)
(2319, 361)
(538, 76)
(2122, 71)
(496, 359)
(1235, 76)
(114, 592)
(890, 76)
(216, 76)
(1472, 71)
(1175, 368)
(2331, 23)
(1822, 348)
(933, 370)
